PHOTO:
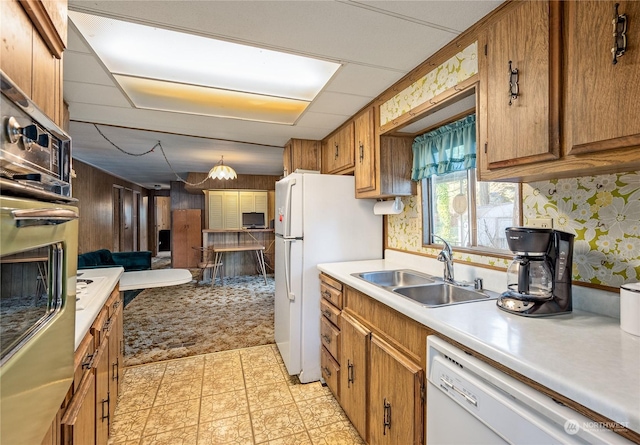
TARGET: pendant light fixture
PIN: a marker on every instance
(221, 171)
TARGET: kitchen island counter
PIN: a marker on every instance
(583, 356)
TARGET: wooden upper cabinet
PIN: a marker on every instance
(365, 168)
(603, 110)
(50, 19)
(301, 154)
(523, 128)
(338, 152)
(383, 163)
(32, 37)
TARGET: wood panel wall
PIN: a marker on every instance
(249, 182)
(185, 196)
(94, 190)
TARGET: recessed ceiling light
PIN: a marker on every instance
(155, 66)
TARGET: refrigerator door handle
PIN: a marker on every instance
(287, 209)
(287, 267)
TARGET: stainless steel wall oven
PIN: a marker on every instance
(38, 261)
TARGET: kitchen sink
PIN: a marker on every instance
(395, 278)
(424, 289)
(443, 294)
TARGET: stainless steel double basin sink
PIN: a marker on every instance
(425, 289)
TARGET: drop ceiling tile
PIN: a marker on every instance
(85, 68)
(363, 80)
(453, 14)
(94, 94)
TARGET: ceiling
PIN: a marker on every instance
(377, 43)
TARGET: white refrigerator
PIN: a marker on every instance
(318, 220)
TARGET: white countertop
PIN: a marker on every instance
(106, 279)
(583, 356)
(145, 279)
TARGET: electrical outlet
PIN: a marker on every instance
(543, 223)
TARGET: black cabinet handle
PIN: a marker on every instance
(514, 88)
(349, 373)
(386, 417)
(619, 34)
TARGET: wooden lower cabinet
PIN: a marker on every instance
(353, 378)
(89, 408)
(330, 333)
(115, 355)
(396, 398)
(330, 372)
(78, 422)
(377, 374)
(102, 394)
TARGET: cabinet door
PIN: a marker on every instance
(78, 421)
(305, 155)
(353, 374)
(365, 168)
(346, 158)
(216, 205)
(337, 151)
(396, 398)
(115, 356)
(186, 233)
(287, 158)
(101, 366)
(602, 97)
(231, 205)
(524, 128)
(329, 154)
(261, 201)
(247, 202)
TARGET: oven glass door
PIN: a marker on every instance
(38, 261)
(30, 296)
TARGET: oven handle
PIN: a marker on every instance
(43, 217)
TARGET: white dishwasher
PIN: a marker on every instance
(469, 402)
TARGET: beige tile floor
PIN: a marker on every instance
(235, 397)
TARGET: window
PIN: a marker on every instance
(457, 207)
(467, 212)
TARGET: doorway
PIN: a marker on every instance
(163, 225)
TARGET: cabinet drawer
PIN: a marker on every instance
(331, 294)
(330, 372)
(113, 302)
(330, 337)
(331, 312)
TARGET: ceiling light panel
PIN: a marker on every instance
(193, 99)
(144, 51)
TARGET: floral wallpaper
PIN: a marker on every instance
(458, 68)
(602, 211)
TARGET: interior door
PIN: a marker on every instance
(116, 225)
(127, 221)
(163, 223)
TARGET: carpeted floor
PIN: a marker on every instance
(189, 319)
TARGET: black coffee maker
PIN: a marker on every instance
(539, 278)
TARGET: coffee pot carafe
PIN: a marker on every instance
(530, 278)
(539, 277)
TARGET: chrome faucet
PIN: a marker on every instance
(446, 256)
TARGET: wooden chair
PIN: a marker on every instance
(208, 262)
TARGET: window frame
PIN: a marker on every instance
(427, 218)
